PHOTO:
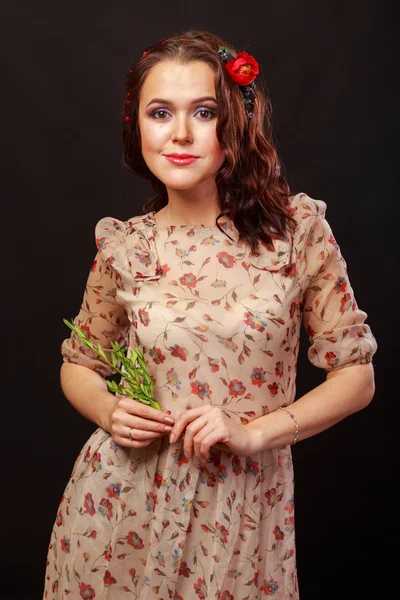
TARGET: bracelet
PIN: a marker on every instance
(296, 426)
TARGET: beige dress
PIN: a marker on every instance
(217, 324)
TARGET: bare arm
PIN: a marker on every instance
(344, 392)
(87, 391)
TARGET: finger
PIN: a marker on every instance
(133, 444)
(198, 441)
(185, 418)
(139, 434)
(212, 438)
(134, 407)
(191, 431)
(147, 425)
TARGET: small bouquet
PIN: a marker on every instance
(140, 385)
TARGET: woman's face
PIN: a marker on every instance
(178, 115)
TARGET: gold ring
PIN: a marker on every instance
(129, 434)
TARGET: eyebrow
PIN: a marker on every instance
(196, 101)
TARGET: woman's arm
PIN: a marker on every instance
(87, 391)
(344, 392)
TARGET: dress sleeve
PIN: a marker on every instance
(101, 314)
(335, 325)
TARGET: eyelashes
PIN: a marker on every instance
(156, 114)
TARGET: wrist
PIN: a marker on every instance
(109, 402)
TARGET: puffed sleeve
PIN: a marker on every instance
(101, 315)
(336, 327)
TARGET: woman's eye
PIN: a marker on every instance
(208, 112)
(159, 114)
(205, 114)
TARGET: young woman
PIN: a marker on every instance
(211, 283)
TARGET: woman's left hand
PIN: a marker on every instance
(207, 425)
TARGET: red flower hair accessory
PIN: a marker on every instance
(242, 70)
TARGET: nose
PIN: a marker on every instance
(182, 131)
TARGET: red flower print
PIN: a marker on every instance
(340, 285)
(201, 589)
(331, 359)
(114, 490)
(256, 579)
(292, 310)
(151, 501)
(66, 545)
(184, 569)
(271, 497)
(269, 587)
(108, 579)
(157, 355)
(290, 271)
(278, 533)
(258, 376)
(86, 591)
(177, 596)
(345, 303)
(226, 596)
(144, 317)
(59, 518)
(87, 455)
(310, 331)
(134, 540)
(178, 352)
(87, 330)
(158, 479)
(289, 524)
(252, 466)
(333, 242)
(202, 390)
(254, 321)
(189, 280)
(273, 388)
(93, 534)
(279, 368)
(221, 532)
(96, 462)
(106, 508)
(207, 477)
(236, 388)
(165, 269)
(236, 465)
(93, 267)
(89, 505)
(227, 260)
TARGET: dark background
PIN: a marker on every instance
(330, 69)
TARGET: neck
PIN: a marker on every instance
(190, 207)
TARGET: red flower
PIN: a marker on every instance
(108, 579)
(86, 591)
(184, 569)
(134, 540)
(243, 69)
(273, 388)
(236, 388)
(89, 504)
(178, 352)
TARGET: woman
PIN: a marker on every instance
(212, 283)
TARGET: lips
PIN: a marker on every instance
(176, 155)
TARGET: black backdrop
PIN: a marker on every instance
(329, 68)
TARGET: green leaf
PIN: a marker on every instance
(101, 352)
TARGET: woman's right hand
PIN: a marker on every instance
(144, 423)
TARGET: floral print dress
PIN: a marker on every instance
(217, 324)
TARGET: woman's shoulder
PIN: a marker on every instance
(302, 207)
(113, 229)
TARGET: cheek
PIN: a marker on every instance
(151, 136)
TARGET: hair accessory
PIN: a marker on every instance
(242, 70)
(296, 426)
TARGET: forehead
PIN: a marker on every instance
(169, 79)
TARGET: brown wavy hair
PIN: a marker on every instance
(252, 189)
